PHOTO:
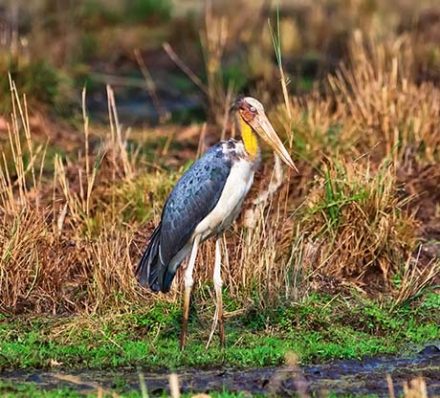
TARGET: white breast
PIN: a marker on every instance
(228, 207)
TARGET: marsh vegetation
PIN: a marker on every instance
(340, 261)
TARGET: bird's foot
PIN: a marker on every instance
(213, 327)
(218, 320)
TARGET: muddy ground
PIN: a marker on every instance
(368, 376)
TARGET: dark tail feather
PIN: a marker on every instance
(148, 269)
(168, 277)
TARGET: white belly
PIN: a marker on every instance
(229, 205)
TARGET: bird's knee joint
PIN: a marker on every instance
(188, 282)
(218, 283)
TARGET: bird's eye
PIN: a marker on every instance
(253, 109)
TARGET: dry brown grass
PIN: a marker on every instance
(57, 255)
(374, 123)
(372, 107)
(389, 111)
(69, 233)
(357, 223)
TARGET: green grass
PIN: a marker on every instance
(320, 328)
(24, 390)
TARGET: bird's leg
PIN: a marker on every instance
(188, 282)
(218, 316)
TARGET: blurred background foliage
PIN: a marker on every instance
(54, 47)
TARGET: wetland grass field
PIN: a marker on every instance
(104, 105)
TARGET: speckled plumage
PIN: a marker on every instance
(194, 197)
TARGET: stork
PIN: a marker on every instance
(203, 204)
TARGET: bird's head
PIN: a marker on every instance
(252, 113)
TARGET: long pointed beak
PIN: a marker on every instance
(265, 129)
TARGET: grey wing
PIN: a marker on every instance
(192, 199)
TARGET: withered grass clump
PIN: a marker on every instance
(356, 220)
(373, 124)
(389, 111)
(63, 247)
(372, 106)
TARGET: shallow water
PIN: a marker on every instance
(367, 376)
(136, 107)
